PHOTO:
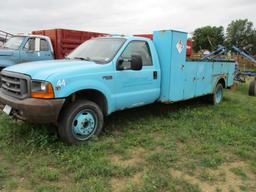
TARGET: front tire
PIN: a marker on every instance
(80, 121)
(217, 95)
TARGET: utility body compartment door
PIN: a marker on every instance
(204, 80)
(171, 48)
(137, 88)
(198, 79)
(190, 78)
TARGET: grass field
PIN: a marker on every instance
(188, 147)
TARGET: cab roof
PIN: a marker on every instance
(30, 35)
(127, 37)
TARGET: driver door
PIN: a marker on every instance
(30, 51)
(136, 88)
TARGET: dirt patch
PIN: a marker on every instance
(234, 181)
(118, 184)
(193, 180)
(1, 157)
(231, 181)
(19, 189)
(136, 157)
(136, 179)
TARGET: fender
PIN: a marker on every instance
(217, 78)
(70, 87)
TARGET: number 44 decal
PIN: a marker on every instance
(60, 83)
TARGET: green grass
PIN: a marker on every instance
(238, 171)
(139, 150)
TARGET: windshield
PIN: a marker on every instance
(100, 50)
(14, 43)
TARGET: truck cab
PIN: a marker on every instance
(22, 48)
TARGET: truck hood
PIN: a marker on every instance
(43, 69)
(6, 52)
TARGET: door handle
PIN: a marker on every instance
(155, 75)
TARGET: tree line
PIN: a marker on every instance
(240, 33)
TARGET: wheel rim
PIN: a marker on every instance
(84, 125)
(218, 95)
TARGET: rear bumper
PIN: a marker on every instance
(34, 110)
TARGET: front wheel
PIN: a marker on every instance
(80, 121)
(217, 95)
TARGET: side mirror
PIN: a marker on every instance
(119, 66)
(136, 62)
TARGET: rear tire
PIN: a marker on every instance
(80, 121)
(252, 88)
(217, 95)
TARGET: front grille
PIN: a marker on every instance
(14, 84)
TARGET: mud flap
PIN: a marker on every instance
(234, 86)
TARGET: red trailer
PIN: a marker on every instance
(64, 40)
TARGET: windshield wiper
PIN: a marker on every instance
(82, 58)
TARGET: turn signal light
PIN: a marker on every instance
(48, 93)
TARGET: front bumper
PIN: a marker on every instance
(34, 110)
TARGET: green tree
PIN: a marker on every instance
(241, 34)
(208, 38)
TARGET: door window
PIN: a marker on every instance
(140, 48)
(30, 45)
(44, 46)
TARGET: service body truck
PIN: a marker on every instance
(108, 74)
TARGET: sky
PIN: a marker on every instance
(122, 16)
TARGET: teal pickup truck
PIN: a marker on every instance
(42, 45)
(25, 48)
(108, 74)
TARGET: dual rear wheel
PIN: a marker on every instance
(217, 95)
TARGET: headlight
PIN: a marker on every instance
(42, 90)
